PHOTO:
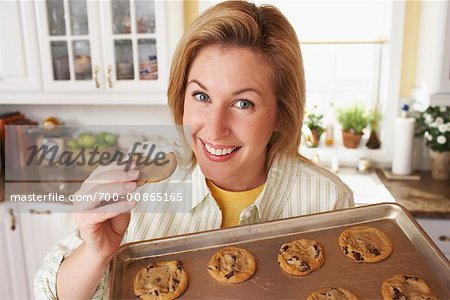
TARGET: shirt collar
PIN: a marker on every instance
(270, 202)
(200, 190)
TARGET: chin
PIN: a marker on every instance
(214, 173)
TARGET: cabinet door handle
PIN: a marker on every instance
(97, 83)
(13, 219)
(110, 84)
(444, 238)
(37, 212)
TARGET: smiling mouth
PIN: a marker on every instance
(222, 151)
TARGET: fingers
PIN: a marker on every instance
(114, 166)
(120, 188)
(105, 186)
(103, 213)
(103, 193)
(112, 210)
(115, 175)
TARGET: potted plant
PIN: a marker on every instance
(313, 130)
(434, 125)
(353, 120)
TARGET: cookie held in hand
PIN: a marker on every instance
(165, 280)
(232, 265)
(301, 257)
(338, 293)
(154, 170)
(406, 287)
(365, 244)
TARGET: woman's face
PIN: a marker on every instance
(231, 106)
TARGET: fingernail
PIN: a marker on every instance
(133, 173)
(130, 185)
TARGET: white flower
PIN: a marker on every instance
(443, 128)
(428, 136)
(443, 108)
(439, 121)
(434, 124)
(448, 126)
(441, 139)
(428, 118)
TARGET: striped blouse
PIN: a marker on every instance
(293, 188)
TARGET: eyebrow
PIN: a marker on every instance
(234, 94)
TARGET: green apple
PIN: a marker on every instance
(87, 140)
(72, 144)
(101, 136)
(111, 138)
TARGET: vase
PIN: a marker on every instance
(313, 139)
(374, 141)
(351, 140)
(440, 164)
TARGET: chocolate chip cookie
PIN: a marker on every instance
(161, 280)
(338, 293)
(403, 287)
(365, 244)
(232, 265)
(301, 257)
(154, 170)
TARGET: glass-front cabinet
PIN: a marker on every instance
(105, 46)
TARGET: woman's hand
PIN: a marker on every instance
(102, 226)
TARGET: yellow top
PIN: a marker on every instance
(233, 203)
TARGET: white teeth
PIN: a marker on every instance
(219, 152)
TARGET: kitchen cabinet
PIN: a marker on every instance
(13, 276)
(41, 228)
(103, 46)
(27, 236)
(441, 96)
(19, 58)
(439, 231)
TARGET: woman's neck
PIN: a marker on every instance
(239, 185)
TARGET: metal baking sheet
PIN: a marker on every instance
(413, 253)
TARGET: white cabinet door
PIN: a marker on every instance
(42, 226)
(103, 46)
(13, 279)
(69, 41)
(134, 44)
(19, 59)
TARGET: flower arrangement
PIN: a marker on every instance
(314, 121)
(434, 125)
(314, 128)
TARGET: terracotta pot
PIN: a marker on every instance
(351, 140)
(440, 165)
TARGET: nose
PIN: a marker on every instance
(218, 124)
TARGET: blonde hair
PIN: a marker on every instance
(265, 30)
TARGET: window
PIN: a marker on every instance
(342, 44)
(352, 51)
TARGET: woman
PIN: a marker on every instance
(237, 79)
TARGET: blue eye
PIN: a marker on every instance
(244, 104)
(202, 97)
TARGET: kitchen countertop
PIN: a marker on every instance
(426, 197)
(423, 198)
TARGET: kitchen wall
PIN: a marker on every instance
(97, 114)
(176, 13)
